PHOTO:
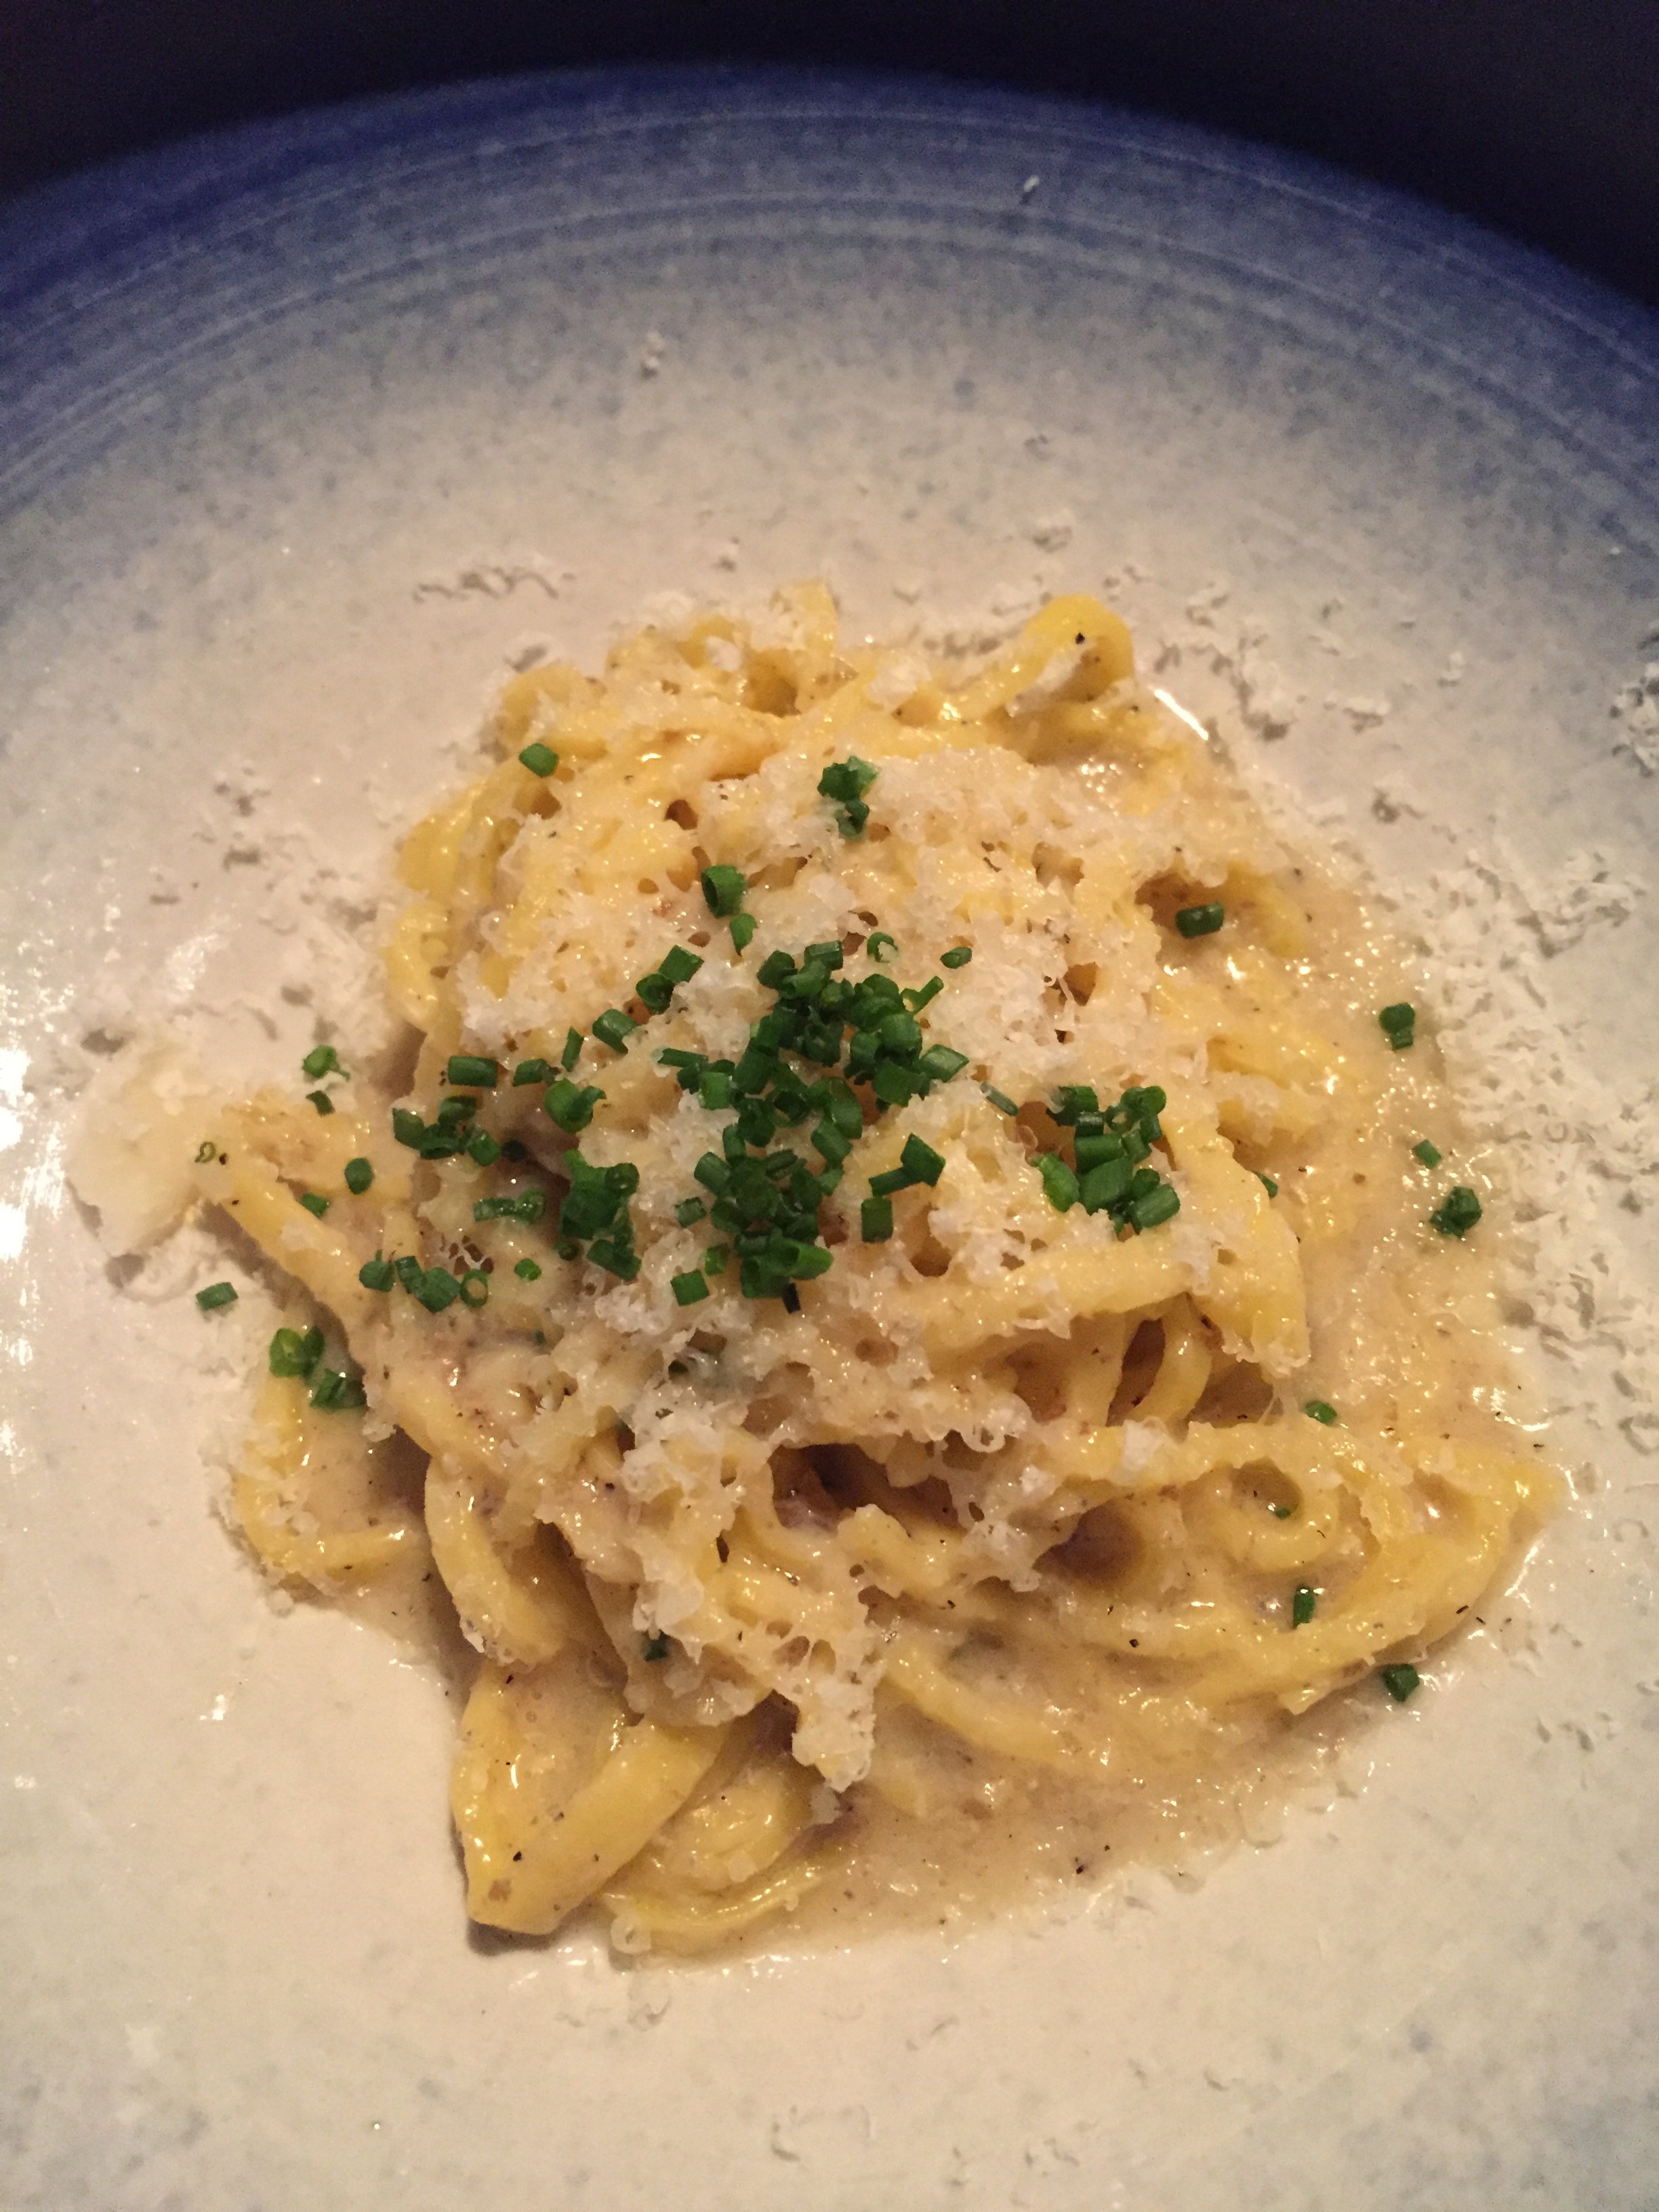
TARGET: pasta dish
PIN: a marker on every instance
(917, 1287)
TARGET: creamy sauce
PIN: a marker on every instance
(1029, 1541)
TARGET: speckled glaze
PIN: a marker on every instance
(304, 432)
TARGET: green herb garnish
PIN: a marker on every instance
(723, 889)
(1201, 920)
(471, 1071)
(336, 1392)
(1457, 1212)
(1399, 1024)
(296, 1352)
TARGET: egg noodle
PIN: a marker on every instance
(845, 1250)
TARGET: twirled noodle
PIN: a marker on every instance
(1015, 1511)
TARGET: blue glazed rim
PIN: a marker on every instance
(124, 282)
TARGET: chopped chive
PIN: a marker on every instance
(1095, 1150)
(315, 1202)
(526, 1271)
(723, 889)
(1103, 1183)
(939, 1063)
(437, 1289)
(884, 1186)
(205, 1152)
(1058, 1181)
(296, 1352)
(1000, 1099)
(875, 1220)
(1457, 1212)
(614, 1028)
(743, 930)
(715, 1259)
(654, 992)
(1071, 1102)
(614, 1257)
(690, 1210)
(320, 1100)
(568, 1108)
(713, 1173)
(1156, 1207)
(483, 1147)
(336, 1392)
(922, 1162)
(408, 1127)
(1281, 1512)
(1303, 1600)
(846, 781)
(691, 1288)
(533, 1070)
(217, 1294)
(655, 1648)
(377, 1274)
(573, 1049)
(958, 956)
(1399, 1024)
(454, 1113)
(873, 945)
(844, 1110)
(915, 1000)
(359, 1174)
(1267, 1184)
(1318, 1410)
(1431, 1155)
(893, 1083)
(1400, 1681)
(522, 1205)
(321, 1060)
(470, 1071)
(439, 1143)
(539, 759)
(1201, 920)
(830, 1143)
(475, 1288)
(715, 1091)
(410, 1273)
(680, 965)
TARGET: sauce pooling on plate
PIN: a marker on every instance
(920, 1298)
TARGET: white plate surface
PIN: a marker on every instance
(303, 434)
